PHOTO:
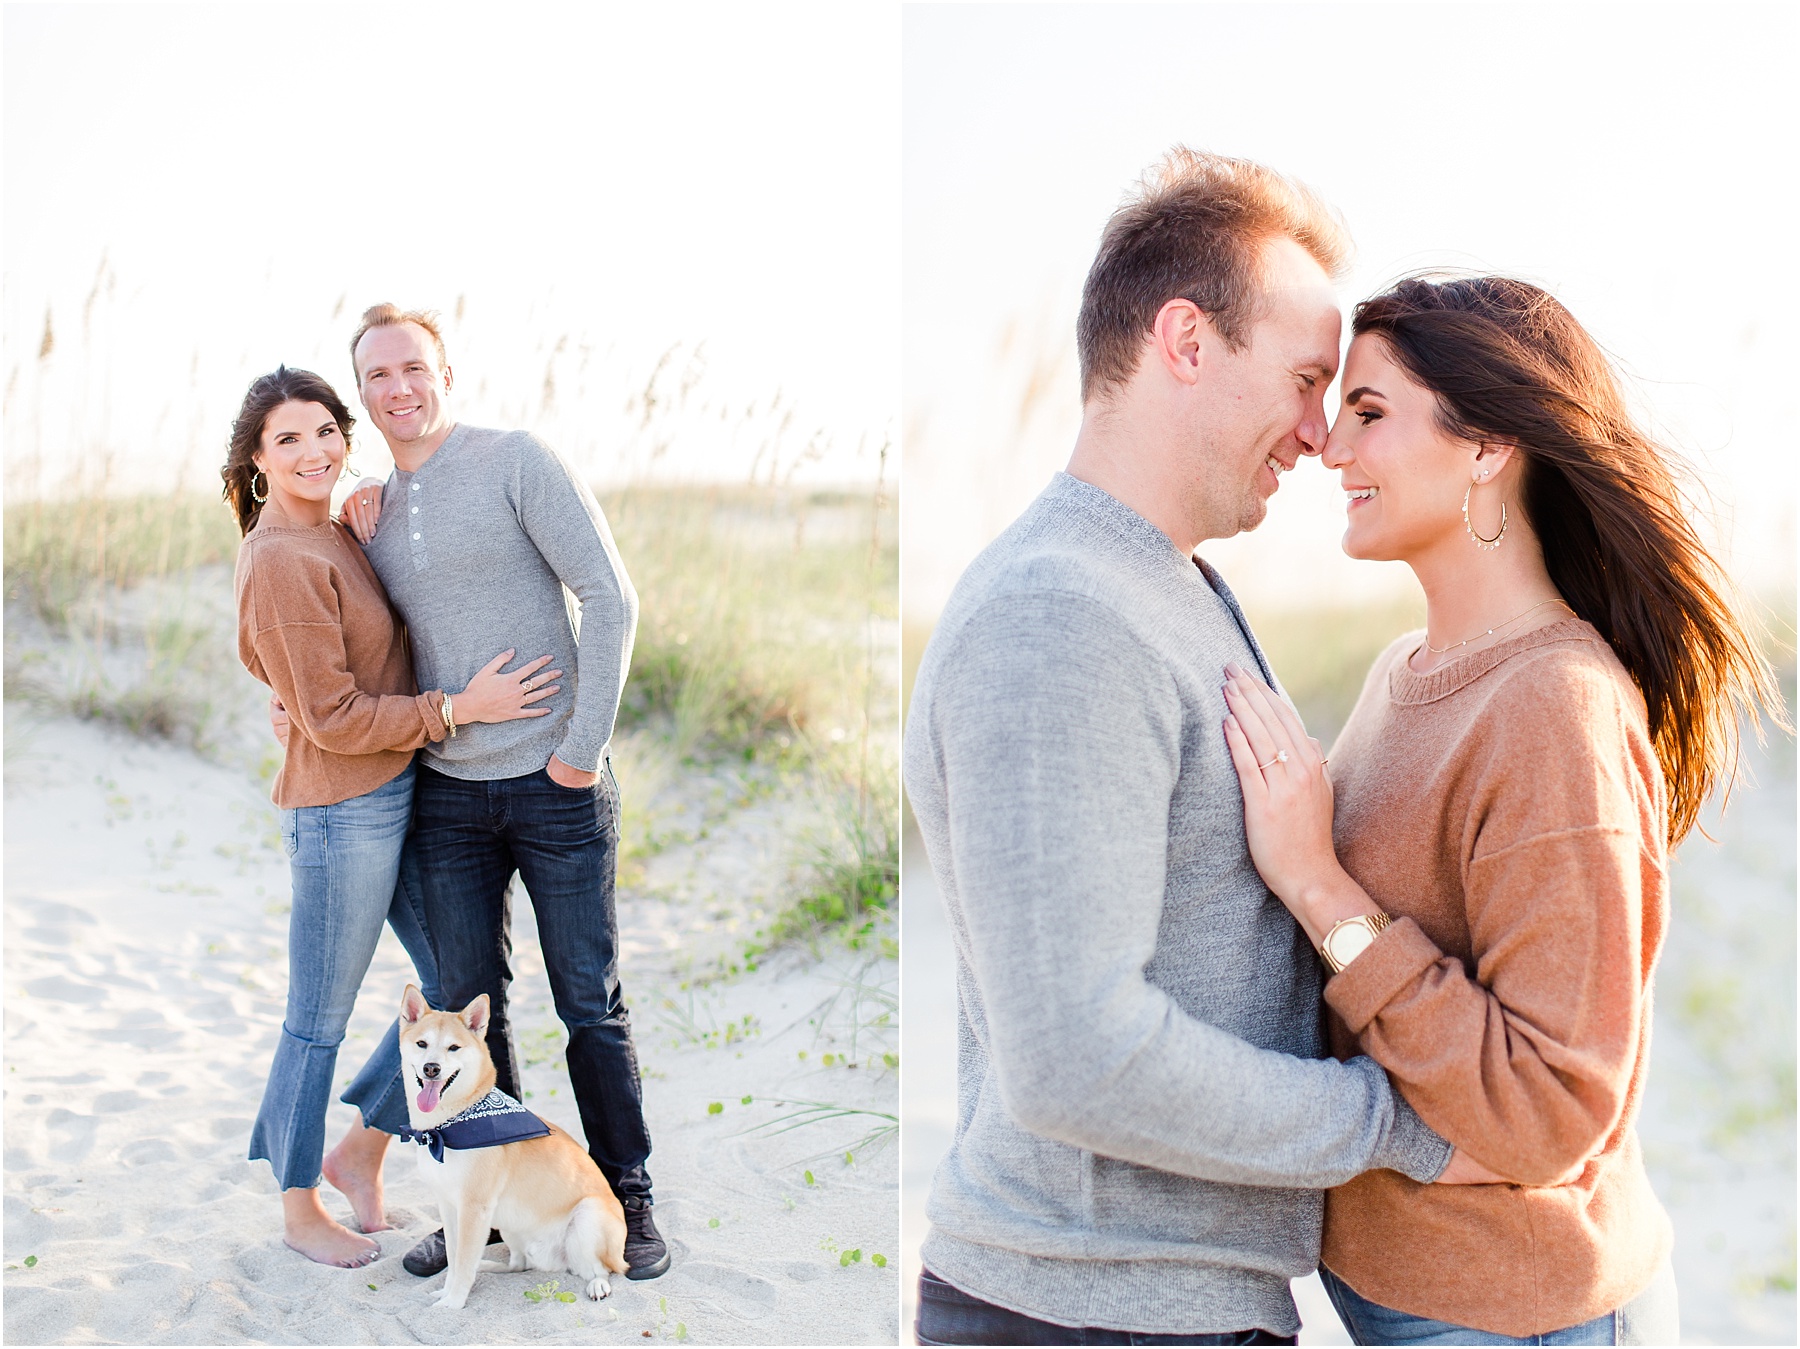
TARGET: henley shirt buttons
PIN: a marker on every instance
(415, 536)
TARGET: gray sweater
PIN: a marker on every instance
(1146, 1118)
(496, 543)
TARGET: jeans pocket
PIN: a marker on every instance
(593, 788)
(303, 835)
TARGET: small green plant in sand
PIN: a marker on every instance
(680, 1329)
(691, 1021)
(551, 1290)
(881, 1126)
(544, 1045)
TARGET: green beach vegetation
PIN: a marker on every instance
(766, 642)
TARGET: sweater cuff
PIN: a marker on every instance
(1391, 962)
(581, 760)
(431, 711)
(1412, 1147)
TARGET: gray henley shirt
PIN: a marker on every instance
(1146, 1116)
(496, 543)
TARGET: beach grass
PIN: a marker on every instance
(765, 637)
(60, 550)
(753, 606)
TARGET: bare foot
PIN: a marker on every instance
(354, 1168)
(318, 1236)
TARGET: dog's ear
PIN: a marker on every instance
(413, 1004)
(475, 1015)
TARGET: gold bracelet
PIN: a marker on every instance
(449, 718)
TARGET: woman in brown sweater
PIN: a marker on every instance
(315, 625)
(1492, 894)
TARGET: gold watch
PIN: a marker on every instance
(1349, 938)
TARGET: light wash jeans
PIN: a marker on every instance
(350, 875)
(1652, 1317)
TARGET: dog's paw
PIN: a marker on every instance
(598, 1288)
(453, 1300)
(496, 1267)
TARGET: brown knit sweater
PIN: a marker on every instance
(1508, 810)
(315, 625)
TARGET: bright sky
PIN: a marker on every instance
(578, 188)
(1635, 159)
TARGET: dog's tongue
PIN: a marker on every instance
(428, 1095)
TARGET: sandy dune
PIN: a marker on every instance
(145, 967)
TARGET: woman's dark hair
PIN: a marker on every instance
(267, 393)
(1507, 362)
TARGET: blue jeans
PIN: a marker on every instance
(469, 837)
(348, 879)
(947, 1315)
(1652, 1317)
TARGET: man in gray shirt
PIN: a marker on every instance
(1146, 1115)
(481, 538)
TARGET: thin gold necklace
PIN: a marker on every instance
(1440, 650)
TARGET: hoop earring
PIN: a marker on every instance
(254, 475)
(1486, 545)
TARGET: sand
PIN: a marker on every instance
(145, 965)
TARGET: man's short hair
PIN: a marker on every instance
(1193, 229)
(389, 316)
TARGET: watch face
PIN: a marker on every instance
(1348, 942)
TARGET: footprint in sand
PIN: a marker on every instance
(148, 1152)
(802, 1272)
(142, 1037)
(53, 922)
(25, 1226)
(115, 1102)
(744, 1295)
(257, 1262)
(71, 1135)
(60, 988)
(171, 1280)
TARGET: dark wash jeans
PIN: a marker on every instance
(468, 838)
(948, 1315)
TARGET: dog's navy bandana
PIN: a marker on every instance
(495, 1119)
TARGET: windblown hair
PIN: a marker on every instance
(1194, 229)
(388, 316)
(267, 393)
(1507, 362)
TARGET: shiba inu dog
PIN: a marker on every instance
(491, 1163)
